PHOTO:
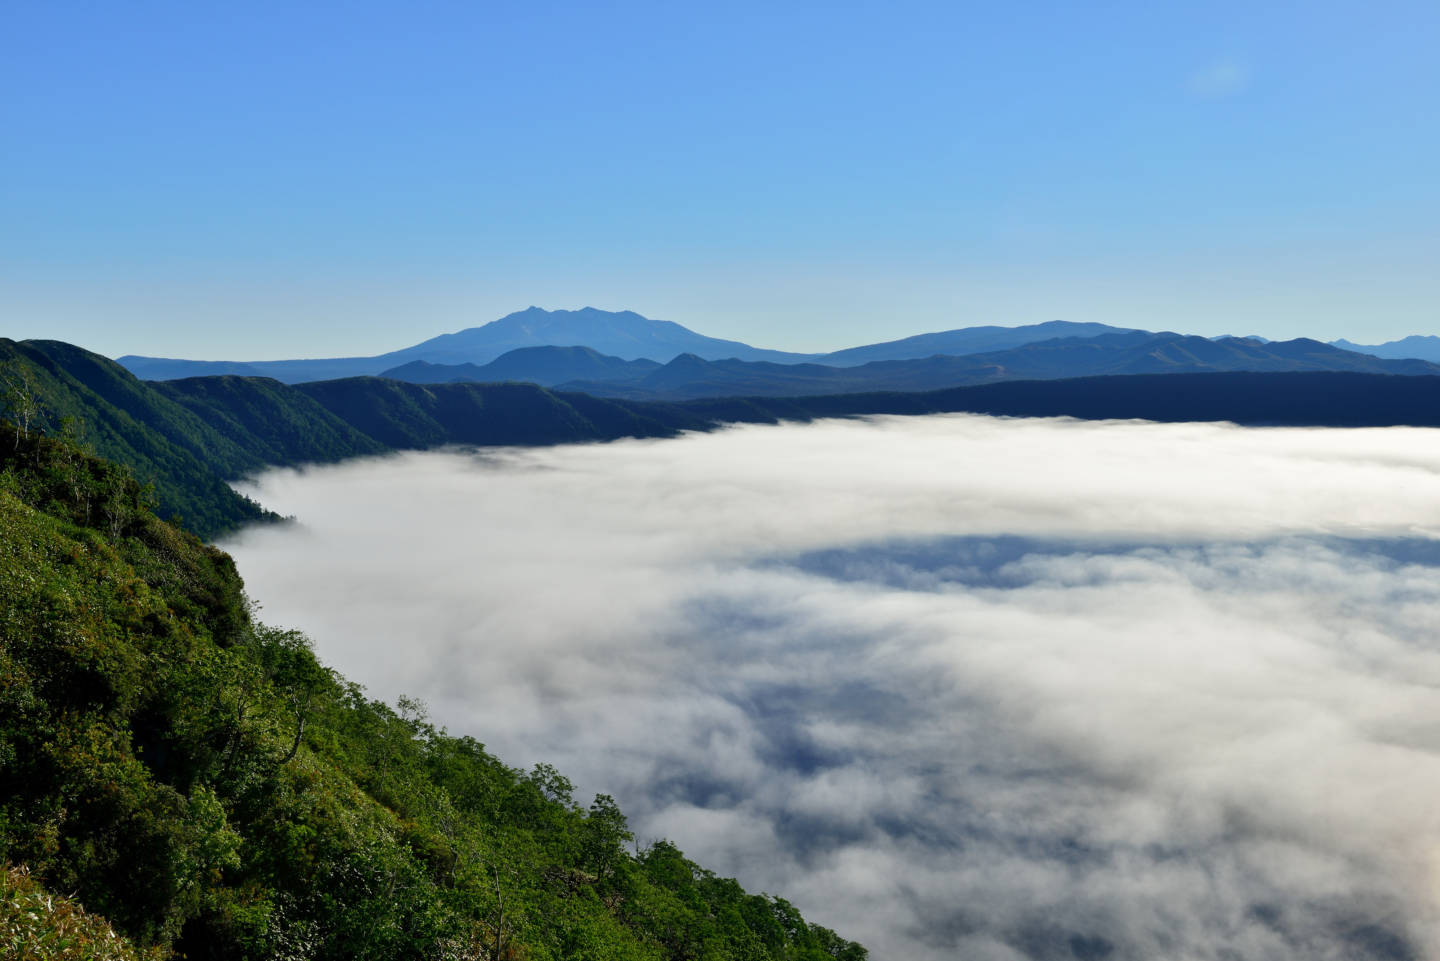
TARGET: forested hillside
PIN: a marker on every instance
(189, 438)
(201, 781)
(64, 389)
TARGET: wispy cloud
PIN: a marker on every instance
(960, 687)
(1219, 80)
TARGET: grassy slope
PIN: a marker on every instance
(202, 782)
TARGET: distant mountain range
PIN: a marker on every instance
(623, 354)
(689, 377)
(536, 365)
(966, 340)
(623, 334)
(1425, 348)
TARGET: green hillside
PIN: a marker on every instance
(125, 420)
(202, 782)
(415, 416)
(274, 424)
(190, 438)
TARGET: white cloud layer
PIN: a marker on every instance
(957, 686)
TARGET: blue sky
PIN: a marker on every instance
(278, 180)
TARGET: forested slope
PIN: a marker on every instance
(404, 415)
(125, 420)
(204, 783)
(272, 423)
(189, 438)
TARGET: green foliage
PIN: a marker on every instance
(202, 781)
(273, 423)
(402, 415)
(36, 925)
(121, 418)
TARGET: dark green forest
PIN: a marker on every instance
(200, 781)
(190, 438)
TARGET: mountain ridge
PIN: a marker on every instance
(1421, 346)
(628, 335)
(689, 377)
(616, 333)
(623, 334)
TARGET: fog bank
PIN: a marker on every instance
(956, 686)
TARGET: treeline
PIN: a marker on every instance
(190, 437)
(201, 781)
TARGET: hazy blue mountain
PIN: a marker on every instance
(964, 340)
(424, 372)
(1416, 346)
(1165, 353)
(285, 371)
(623, 350)
(688, 377)
(620, 334)
(1138, 352)
(545, 366)
(624, 334)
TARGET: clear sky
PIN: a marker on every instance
(251, 180)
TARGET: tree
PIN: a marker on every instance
(21, 397)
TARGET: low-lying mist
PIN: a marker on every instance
(959, 687)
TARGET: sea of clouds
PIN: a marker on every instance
(959, 687)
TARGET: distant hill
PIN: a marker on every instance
(545, 366)
(965, 340)
(1145, 353)
(1250, 398)
(285, 371)
(409, 416)
(624, 334)
(1138, 352)
(688, 377)
(270, 421)
(1421, 347)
